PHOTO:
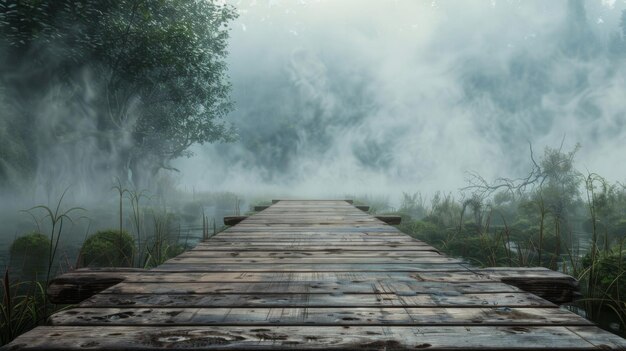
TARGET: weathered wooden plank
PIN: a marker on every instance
(409, 244)
(74, 288)
(313, 228)
(313, 212)
(308, 212)
(308, 235)
(285, 277)
(339, 246)
(554, 286)
(242, 247)
(313, 260)
(356, 276)
(312, 203)
(314, 337)
(404, 287)
(308, 223)
(344, 219)
(390, 316)
(601, 339)
(311, 254)
(509, 299)
(320, 240)
(413, 267)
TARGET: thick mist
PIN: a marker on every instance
(372, 97)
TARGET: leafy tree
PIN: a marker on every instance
(156, 68)
(560, 187)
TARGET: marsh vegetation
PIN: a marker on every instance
(555, 217)
(152, 231)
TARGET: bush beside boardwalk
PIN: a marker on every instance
(108, 248)
(29, 255)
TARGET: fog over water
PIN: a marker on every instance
(380, 97)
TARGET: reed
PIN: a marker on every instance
(23, 307)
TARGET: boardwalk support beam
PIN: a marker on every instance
(232, 220)
(391, 220)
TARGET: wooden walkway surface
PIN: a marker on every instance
(315, 275)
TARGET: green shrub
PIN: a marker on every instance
(33, 244)
(470, 229)
(108, 248)
(31, 252)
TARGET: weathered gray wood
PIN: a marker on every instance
(390, 316)
(301, 246)
(462, 275)
(274, 267)
(407, 288)
(508, 299)
(78, 285)
(320, 240)
(313, 337)
(314, 203)
(553, 286)
(74, 288)
(314, 228)
(310, 254)
(312, 260)
(601, 339)
(321, 277)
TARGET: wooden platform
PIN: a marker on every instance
(316, 275)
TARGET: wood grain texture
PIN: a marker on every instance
(318, 275)
(515, 299)
(343, 287)
(392, 316)
(317, 338)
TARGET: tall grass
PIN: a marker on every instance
(137, 220)
(56, 219)
(23, 307)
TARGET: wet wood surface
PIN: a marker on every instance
(318, 275)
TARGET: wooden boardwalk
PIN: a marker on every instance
(315, 275)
